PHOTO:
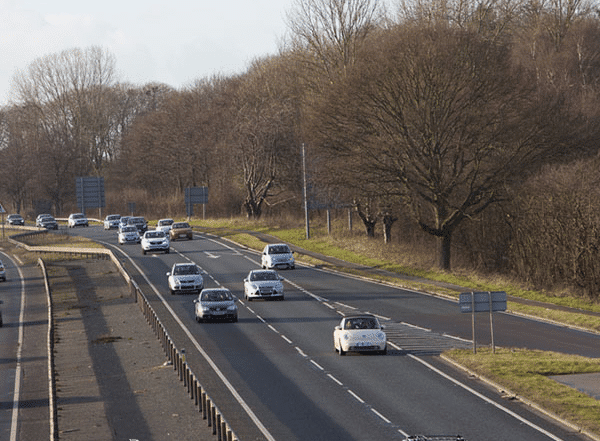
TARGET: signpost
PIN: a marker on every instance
(489, 301)
(90, 193)
(2, 212)
(195, 195)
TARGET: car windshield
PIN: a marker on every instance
(361, 323)
(128, 229)
(182, 270)
(113, 217)
(181, 225)
(263, 275)
(78, 216)
(154, 234)
(281, 249)
(163, 223)
(215, 296)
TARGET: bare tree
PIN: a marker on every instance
(264, 131)
(328, 33)
(444, 118)
(71, 91)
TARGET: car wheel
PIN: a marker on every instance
(168, 251)
(144, 252)
(384, 352)
(341, 351)
(234, 320)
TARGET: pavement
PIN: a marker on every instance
(112, 380)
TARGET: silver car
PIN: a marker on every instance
(153, 241)
(263, 284)
(277, 255)
(112, 221)
(185, 278)
(129, 234)
(216, 303)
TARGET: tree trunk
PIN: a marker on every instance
(445, 242)
(388, 221)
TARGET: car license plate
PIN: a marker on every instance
(182, 235)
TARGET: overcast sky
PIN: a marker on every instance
(167, 41)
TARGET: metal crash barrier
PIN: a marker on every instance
(206, 407)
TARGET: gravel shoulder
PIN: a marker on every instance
(111, 378)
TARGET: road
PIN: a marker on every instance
(284, 376)
(23, 392)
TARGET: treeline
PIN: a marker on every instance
(470, 124)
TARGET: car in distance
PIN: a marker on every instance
(263, 284)
(123, 221)
(215, 303)
(128, 234)
(181, 230)
(112, 221)
(2, 272)
(359, 333)
(48, 222)
(185, 278)
(77, 220)
(15, 219)
(277, 255)
(38, 219)
(139, 222)
(155, 241)
(164, 225)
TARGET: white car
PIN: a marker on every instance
(185, 278)
(216, 303)
(77, 220)
(153, 241)
(129, 234)
(112, 221)
(2, 272)
(277, 255)
(359, 333)
(263, 284)
(165, 225)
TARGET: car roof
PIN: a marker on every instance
(215, 289)
(358, 316)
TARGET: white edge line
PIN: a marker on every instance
(204, 354)
(17, 390)
(486, 399)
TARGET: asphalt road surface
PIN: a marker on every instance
(275, 374)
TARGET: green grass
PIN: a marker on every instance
(526, 373)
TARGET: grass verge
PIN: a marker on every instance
(527, 373)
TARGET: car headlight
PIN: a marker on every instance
(231, 308)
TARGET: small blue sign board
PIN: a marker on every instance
(482, 301)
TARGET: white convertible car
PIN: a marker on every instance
(359, 333)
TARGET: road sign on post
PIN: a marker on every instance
(195, 195)
(482, 302)
(90, 192)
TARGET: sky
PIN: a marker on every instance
(167, 41)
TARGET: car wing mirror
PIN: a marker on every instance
(168, 274)
(338, 327)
